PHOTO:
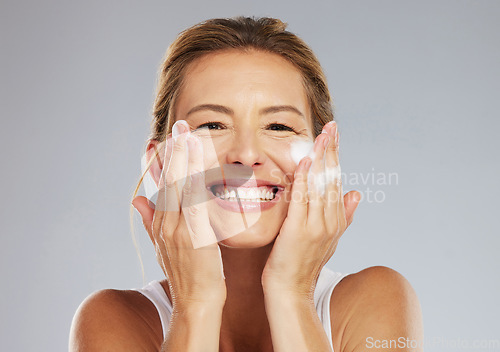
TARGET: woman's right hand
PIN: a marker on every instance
(179, 226)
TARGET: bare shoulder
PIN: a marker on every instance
(116, 320)
(375, 306)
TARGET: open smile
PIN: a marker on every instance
(245, 194)
(245, 198)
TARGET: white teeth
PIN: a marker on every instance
(254, 193)
(261, 194)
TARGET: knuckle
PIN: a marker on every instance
(193, 210)
(301, 178)
(332, 146)
(331, 235)
(333, 194)
(178, 147)
(170, 179)
(300, 197)
(165, 231)
(316, 238)
(196, 175)
(188, 187)
(318, 231)
(303, 201)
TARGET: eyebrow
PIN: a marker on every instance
(264, 111)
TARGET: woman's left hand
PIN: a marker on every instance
(317, 217)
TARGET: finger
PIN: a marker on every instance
(195, 198)
(140, 204)
(316, 183)
(297, 209)
(351, 201)
(334, 208)
(161, 201)
(175, 175)
(165, 205)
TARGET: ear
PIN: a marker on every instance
(155, 150)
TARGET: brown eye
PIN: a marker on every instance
(211, 126)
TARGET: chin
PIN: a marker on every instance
(248, 240)
(247, 228)
(260, 234)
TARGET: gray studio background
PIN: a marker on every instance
(415, 84)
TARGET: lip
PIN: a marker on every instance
(243, 182)
(240, 206)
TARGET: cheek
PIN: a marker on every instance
(210, 152)
(286, 155)
(301, 148)
(295, 150)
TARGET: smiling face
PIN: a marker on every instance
(248, 109)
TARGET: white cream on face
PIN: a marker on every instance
(300, 149)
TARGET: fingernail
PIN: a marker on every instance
(307, 163)
(333, 129)
(357, 197)
(326, 141)
(325, 128)
(179, 128)
(303, 165)
(335, 134)
(317, 143)
(135, 208)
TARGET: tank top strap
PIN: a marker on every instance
(327, 281)
(156, 294)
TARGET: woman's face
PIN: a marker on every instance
(247, 108)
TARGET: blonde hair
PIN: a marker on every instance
(242, 33)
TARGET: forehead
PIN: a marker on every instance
(234, 77)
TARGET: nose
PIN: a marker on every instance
(245, 150)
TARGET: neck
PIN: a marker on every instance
(243, 267)
(244, 320)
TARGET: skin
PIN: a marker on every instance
(273, 264)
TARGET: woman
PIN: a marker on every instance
(241, 231)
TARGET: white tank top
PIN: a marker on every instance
(327, 281)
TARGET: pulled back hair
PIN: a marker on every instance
(242, 33)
